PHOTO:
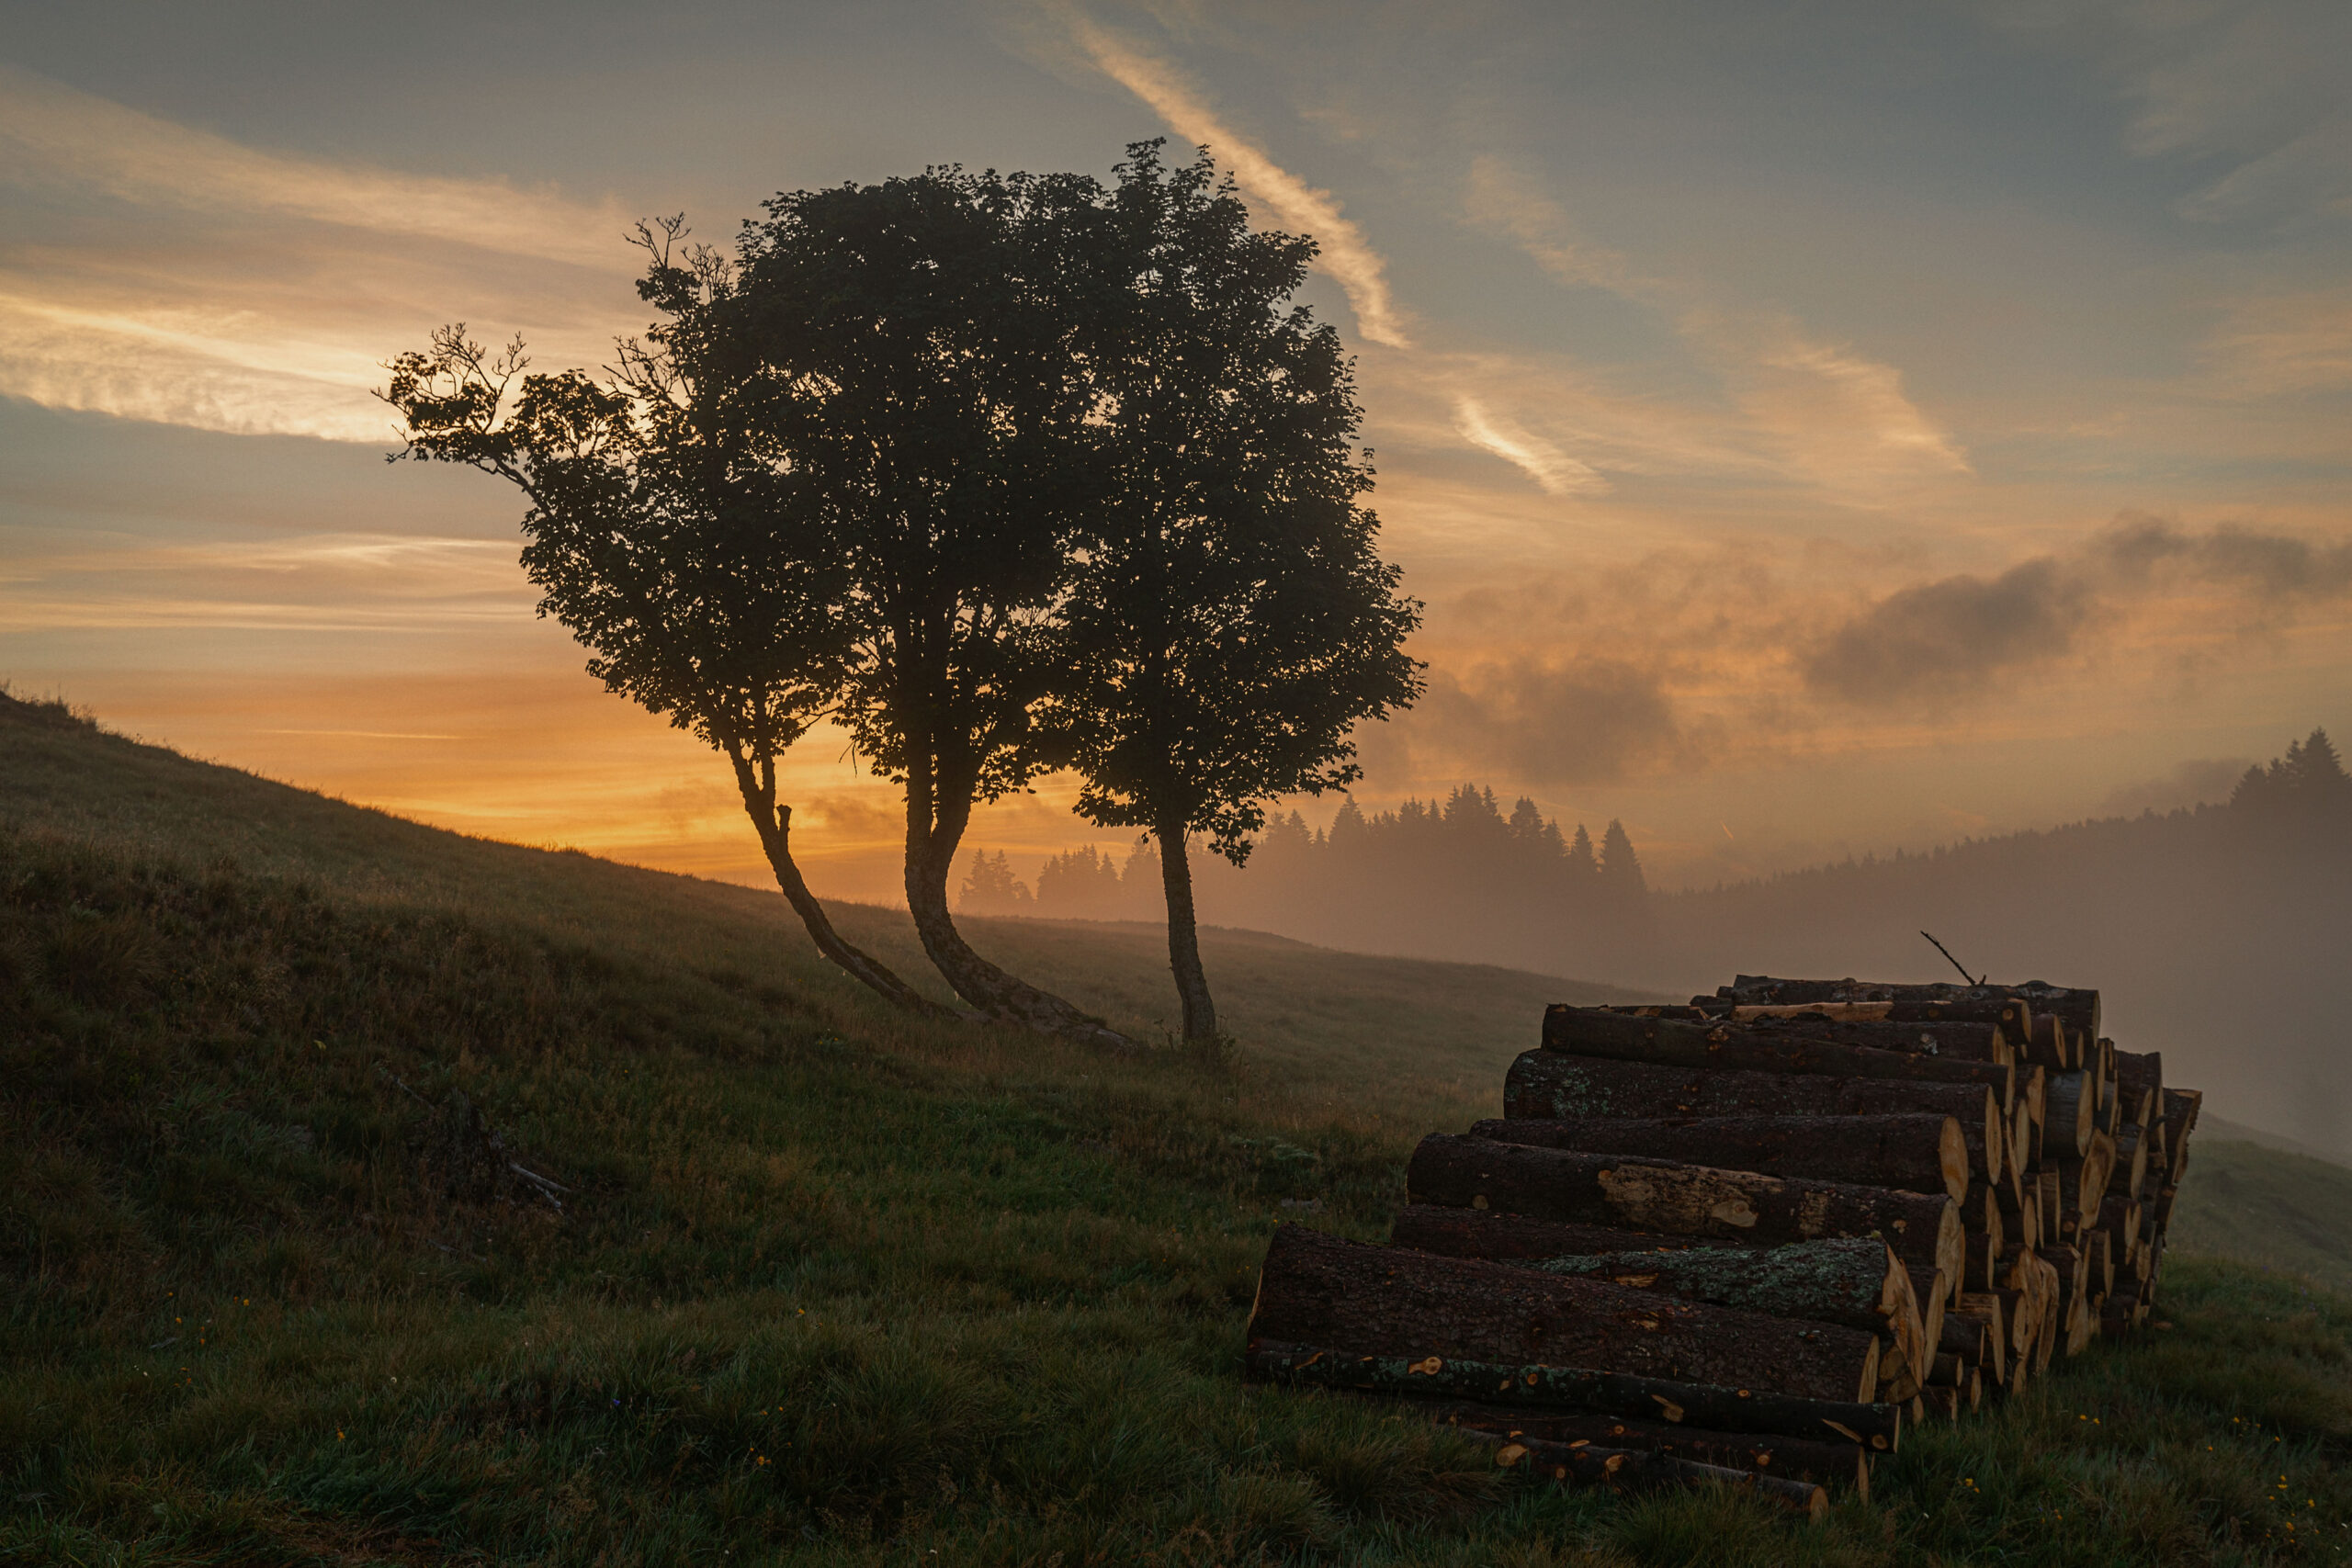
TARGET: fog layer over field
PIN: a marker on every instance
(2219, 935)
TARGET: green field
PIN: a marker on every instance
(831, 1285)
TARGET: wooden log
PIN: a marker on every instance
(1944, 1402)
(1839, 1464)
(2130, 1160)
(1985, 1249)
(1683, 1199)
(1596, 1032)
(2098, 1258)
(1959, 1041)
(1634, 1471)
(2052, 1328)
(2140, 1081)
(2046, 1044)
(1548, 1085)
(1878, 1427)
(1855, 1281)
(1914, 1154)
(1985, 1309)
(1320, 1290)
(1483, 1232)
(1964, 1337)
(1932, 1291)
(2181, 1106)
(2079, 1008)
(2067, 1122)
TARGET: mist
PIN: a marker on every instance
(2217, 933)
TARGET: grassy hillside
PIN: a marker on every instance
(2283, 1212)
(827, 1285)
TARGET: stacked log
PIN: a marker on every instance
(1745, 1241)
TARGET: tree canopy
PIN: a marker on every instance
(699, 577)
(1231, 619)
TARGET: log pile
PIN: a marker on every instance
(1748, 1240)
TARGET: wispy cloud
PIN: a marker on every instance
(1549, 466)
(165, 273)
(1361, 272)
(1814, 409)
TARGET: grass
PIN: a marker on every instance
(2273, 1209)
(831, 1285)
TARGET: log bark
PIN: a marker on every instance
(1632, 1470)
(1551, 1085)
(1960, 1042)
(1988, 1310)
(2078, 1007)
(1878, 1427)
(1855, 1281)
(2140, 1080)
(1913, 1154)
(2130, 1160)
(1317, 1288)
(1839, 1464)
(1684, 1200)
(1483, 1232)
(2067, 1118)
(1595, 1032)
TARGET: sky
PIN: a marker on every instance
(1811, 428)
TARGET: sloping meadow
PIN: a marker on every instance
(790, 1279)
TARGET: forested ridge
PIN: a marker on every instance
(2185, 918)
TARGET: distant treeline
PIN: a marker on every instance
(2220, 934)
(1451, 879)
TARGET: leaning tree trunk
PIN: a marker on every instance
(937, 811)
(773, 822)
(1183, 934)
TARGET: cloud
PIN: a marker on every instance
(1547, 720)
(2138, 546)
(2190, 784)
(1949, 637)
(1807, 408)
(1361, 272)
(163, 273)
(2281, 344)
(1549, 466)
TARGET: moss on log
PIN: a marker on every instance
(1878, 1427)
(1318, 1289)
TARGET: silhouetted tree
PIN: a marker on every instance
(2304, 789)
(698, 576)
(1234, 619)
(1582, 866)
(990, 888)
(1621, 870)
(911, 358)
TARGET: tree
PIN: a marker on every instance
(910, 355)
(697, 576)
(1232, 620)
(990, 888)
(1621, 871)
